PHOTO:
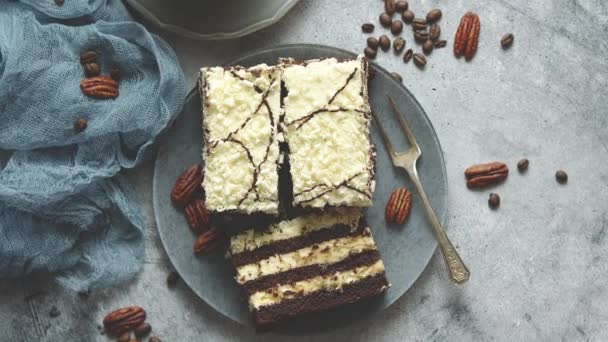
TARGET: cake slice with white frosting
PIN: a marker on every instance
(326, 123)
(241, 109)
(308, 264)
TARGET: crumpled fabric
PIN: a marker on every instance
(64, 207)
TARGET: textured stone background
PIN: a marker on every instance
(538, 263)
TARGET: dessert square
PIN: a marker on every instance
(308, 264)
(326, 125)
(241, 109)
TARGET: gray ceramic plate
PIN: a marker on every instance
(405, 250)
(212, 19)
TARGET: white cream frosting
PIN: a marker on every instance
(229, 103)
(252, 239)
(331, 147)
(330, 282)
(327, 252)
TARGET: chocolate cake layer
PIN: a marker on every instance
(361, 259)
(320, 300)
(292, 244)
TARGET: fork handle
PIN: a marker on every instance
(458, 271)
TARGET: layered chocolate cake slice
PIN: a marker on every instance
(241, 109)
(309, 264)
(326, 123)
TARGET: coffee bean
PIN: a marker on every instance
(389, 7)
(126, 337)
(507, 40)
(385, 20)
(88, 57)
(494, 201)
(440, 43)
(370, 53)
(80, 125)
(91, 69)
(433, 15)
(407, 16)
(397, 27)
(420, 21)
(172, 279)
(421, 36)
(427, 47)
(434, 32)
(522, 165)
(367, 27)
(154, 339)
(54, 312)
(408, 55)
(115, 73)
(401, 6)
(372, 42)
(561, 176)
(399, 44)
(396, 76)
(59, 2)
(385, 42)
(142, 330)
(420, 60)
(418, 26)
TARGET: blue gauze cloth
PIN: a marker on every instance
(63, 206)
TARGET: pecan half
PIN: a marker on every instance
(186, 185)
(467, 36)
(122, 320)
(197, 216)
(482, 175)
(209, 241)
(399, 206)
(100, 87)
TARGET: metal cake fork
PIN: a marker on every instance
(458, 272)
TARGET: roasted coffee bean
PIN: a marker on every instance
(385, 42)
(389, 7)
(494, 201)
(126, 337)
(434, 32)
(396, 76)
(370, 53)
(385, 20)
(419, 59)
(507, 40)
(397, 27)
(367, 27)
(407, 16)
(522, 165)
(408, 55)
(441, 43)
(419, 23)
(91, 69)
(433, 15)
(561, 176)
(142, 330)
(88, 57)
(172, 279)
(421, 36)
(399, 44)
(372, 42)
(401, 6)
(427, 47)
(80, 125)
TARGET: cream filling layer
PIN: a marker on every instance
(251, 239)
(330, 282)
(327, 252)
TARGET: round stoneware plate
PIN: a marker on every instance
(406, 250)
(212, 19)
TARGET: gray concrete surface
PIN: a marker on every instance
(538, 263)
